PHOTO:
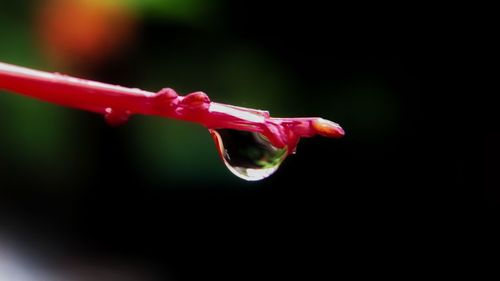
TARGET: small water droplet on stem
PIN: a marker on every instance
(116, 117)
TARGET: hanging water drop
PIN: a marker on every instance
(248, 155)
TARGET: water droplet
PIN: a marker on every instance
(248, 155)
(116, 117)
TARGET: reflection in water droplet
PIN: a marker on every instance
(248, 155)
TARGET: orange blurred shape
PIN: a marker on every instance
(76, 32)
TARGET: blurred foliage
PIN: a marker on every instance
(34, 134)
(171, 151)
(188, 11)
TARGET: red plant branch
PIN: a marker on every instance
(119, 103)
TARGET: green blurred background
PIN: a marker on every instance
(154, 191)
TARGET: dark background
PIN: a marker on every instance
(397, 78)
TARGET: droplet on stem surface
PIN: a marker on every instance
(248, 155)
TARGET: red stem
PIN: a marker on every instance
(118, 103)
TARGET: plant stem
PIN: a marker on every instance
(118, 103)
(69, 91)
